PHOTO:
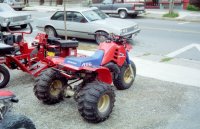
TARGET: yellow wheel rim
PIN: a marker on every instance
(56, 88)
(128, 77)
(104, 103)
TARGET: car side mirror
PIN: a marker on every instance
(83, 20)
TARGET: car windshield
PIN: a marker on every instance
(94, 15)
(5, 8)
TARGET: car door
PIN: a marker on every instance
(78, 26)
(57, 21)
(106, 6)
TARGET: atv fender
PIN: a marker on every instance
(103, 74)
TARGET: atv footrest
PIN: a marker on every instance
(6, 49)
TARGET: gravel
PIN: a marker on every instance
(148, 104)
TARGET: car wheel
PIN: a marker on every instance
(101, 36)
(50, 31)
(123, 14)
(20, 9)
(23, 26)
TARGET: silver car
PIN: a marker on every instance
(8, 14)
(81, 21)
(15, 4)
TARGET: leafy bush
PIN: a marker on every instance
(195, 3)
(171, 15)
(192, 8)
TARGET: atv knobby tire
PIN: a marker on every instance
(120, 82)
(96, 101)
(4, 76)
(49, 86)
(17, 122)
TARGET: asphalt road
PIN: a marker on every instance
(161, 37)
(148, 104)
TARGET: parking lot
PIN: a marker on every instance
(149, 104)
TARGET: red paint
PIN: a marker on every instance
(5, 93)
(113, 53)
(185, 4)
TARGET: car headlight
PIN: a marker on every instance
(136, 27)
(6, 20)
(124, 31)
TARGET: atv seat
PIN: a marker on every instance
(4, 94)
(6, 49)
(62, 43)
(94, 60)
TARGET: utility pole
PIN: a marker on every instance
(65, 20)
(171, 6)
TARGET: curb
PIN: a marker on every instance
(170, 19)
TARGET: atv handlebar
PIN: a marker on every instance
(31, 29)
(112, 37)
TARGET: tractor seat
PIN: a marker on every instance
(94, 60)
(4, 94)
(62, 43)
(6, 49)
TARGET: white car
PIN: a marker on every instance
(15, 4)
(81, 21)
(8, 14)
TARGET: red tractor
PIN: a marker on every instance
(89, 79)
(15, 53)
(9, 120)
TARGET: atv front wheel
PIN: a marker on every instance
(96, 101)
(4, 76)
(49, 86)
(17, 122)
(125, 79)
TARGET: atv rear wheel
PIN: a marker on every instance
(96, 101)
(17, 122)
(125, 79)
(4, 76)
(49, 86)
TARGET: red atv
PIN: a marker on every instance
(8, 120)
(89, 79)
(15, 53)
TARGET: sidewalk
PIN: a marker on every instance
(184, 15)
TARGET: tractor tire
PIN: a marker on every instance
(4, 76)
(17, 122)
(124, 79)
(96, 101)
(49, 87)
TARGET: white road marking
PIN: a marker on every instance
(179, 51)
(165, 72)
(181, 23)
